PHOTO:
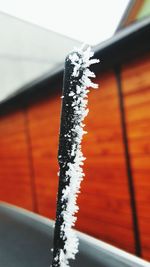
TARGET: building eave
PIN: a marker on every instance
(123, 46)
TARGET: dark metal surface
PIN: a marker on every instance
(69, 119)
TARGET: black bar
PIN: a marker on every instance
(128, 166)
(67, 139)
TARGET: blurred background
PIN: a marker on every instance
(35, 38)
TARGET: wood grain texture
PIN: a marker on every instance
(107, 214)
(136, 90)
(15, 176)
(43, 122)
(105, 188)
(105, 210)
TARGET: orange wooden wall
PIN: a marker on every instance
(28, 158)
(15, 175)
(105, 189)
(136, 91)
(43, 126)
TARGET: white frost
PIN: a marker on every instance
(80, 58)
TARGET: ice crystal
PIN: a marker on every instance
(80, 59)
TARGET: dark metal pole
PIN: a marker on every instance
(66, 141)
(74, 110)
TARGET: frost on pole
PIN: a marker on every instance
(74, 109)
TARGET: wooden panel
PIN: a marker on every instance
(136, 90)
(44, 127)
(107, 214)
(15, 177)
(105, 188)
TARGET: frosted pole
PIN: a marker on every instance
(74, 109)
